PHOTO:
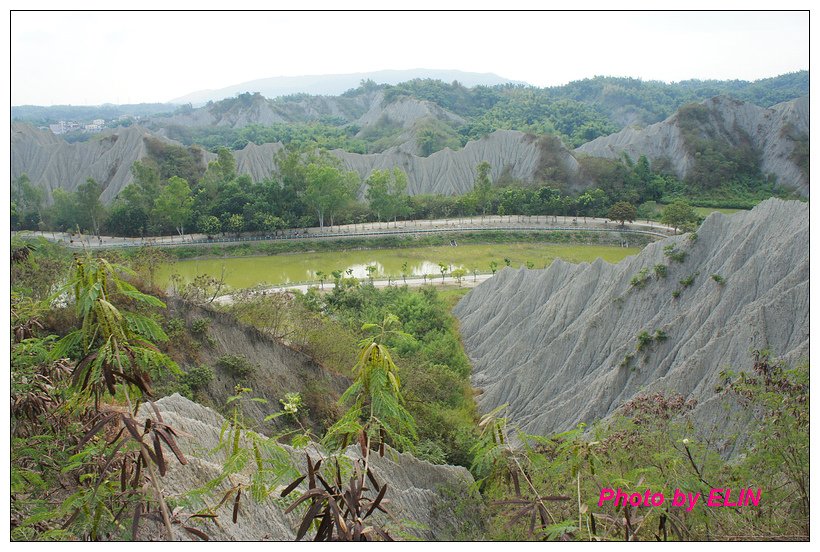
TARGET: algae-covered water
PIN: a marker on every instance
(245, 272)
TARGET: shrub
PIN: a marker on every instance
(198, 377)
(200, 326)
(719, 279)
(660, 271)
(674, 253)
(238, 366)
(639, 280)
(175, 327)
(689, 280)
(430, 451)
(292, 403)
(660, 335)
(644, 340)
(627, 360)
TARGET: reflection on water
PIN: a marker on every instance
(360, 270)
(415, 269)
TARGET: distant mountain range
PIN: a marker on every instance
(332, 85)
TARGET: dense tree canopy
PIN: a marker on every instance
(622, 211)
(678, 214)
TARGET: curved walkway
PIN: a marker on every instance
(469, 281)
(410, 227)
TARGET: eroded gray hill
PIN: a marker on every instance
(774, 133)
(552, 342)
(511, 154)
(247, 109)
(51, 162)
(422, 496)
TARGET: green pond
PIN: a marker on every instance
(293, 268)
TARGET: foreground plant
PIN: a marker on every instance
(375, 400)
(117, 452)
(341, 509)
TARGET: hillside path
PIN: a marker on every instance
(458, 224)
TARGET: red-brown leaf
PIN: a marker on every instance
(196, 532)
(289, 489)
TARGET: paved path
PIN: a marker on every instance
(468, 281)
(463, 224)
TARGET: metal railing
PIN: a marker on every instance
(170, 242)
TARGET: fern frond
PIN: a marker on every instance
(145, 326)
(63, 347)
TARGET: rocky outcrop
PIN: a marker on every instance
(773, 133)
(405, 112)
(254, 109)
(560, 344)
(511, 154)
(51, 162)
(423, 497)
(257, 160)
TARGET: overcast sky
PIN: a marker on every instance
(89, 58)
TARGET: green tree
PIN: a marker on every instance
(678, 214)
(329, 189)
(377, 193)
(90, 210)
(387, 193)
(272, 223)
(226, 164)
(174, 204)
(443, 269)
(459, 275)
(322, 277)
(62, 214)
(209, 225)
(622, 211)
(29, 201)
(593, 202)
(124, 219)
(236, 223)
(133, 211)
(483, 187)
(115, 344)
(404, 271)
(371, 272)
